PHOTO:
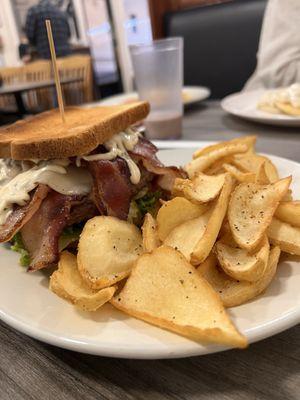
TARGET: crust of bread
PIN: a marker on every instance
(44, 136)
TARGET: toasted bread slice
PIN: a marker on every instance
(45, 136)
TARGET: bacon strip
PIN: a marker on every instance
(112, 189)
(21, 215)
(41, 233)
(145, 151)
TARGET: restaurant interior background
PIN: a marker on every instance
(103, 30)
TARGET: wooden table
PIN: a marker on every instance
(268, 370)
(19, 88)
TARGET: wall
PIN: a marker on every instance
(9, 34)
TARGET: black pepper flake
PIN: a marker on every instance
(181, 281)
(119, 299)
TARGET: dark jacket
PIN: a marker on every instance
(36, 29)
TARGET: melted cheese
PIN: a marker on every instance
(118, 146)
(66, 180)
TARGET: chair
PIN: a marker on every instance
(38, 99)
(10, 75)
(78, 66)
(220, 43)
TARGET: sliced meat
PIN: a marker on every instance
(145, 151)
(82, 210)
(41, 233)
(112, 189)
(21, 215)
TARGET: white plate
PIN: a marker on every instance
(192, 94)
(27, 305)
(244, 105)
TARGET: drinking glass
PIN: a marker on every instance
(158, 69)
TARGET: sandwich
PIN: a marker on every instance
(55, 176)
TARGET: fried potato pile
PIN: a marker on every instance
(214, 244)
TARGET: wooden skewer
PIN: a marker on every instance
(55, 70)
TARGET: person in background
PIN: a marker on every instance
(24, 48)
(36, 30)
(278, 59)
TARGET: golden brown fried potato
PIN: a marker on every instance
(67, 283)
(289, 212)
(201, 163)
(288, 109)
(249, 141)
(150, 237)
(185, 237)
(252, 163)
(234, 292)
(286, 236)
(165, 290)
(175, 212)
(210, 235)
(240, 264)
(202, 189)
(251, 209)
(239, 175)
(107, 250)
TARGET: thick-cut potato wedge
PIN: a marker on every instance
(150, 236)
(261, 176)
(165, 290)
(200, 164)
(252, 163)
(288, 109)
(201, 189)
(249, 141)
(209, 237)
(175, 212)
(289, 211)
(107, 250)
(288, 196)
(284, 235)
(239, 175)
(234, 292)
(241, 265)
(251, 209)
(186, 236)
(67, 283)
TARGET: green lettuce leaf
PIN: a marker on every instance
(18, 246)
(69, 235)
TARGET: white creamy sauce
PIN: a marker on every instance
(289, 94)
(118, 146)
(66, 180)
(19, 178)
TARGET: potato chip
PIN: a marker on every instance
(252, 163)
(249, 141)
(242, 265)
(239, 175)
(207, 241)
(289, 211)
(234, 292)
(288, 196)
(251, 209)
(200, 164)
(186, 236)
(175, 212)
(261, 177)
(150, 236)
(201, 189)
(107, 250)
(67, 283)
(165, 290)
(284, 235)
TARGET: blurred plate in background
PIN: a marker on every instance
(244, 105)
(190, 95)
